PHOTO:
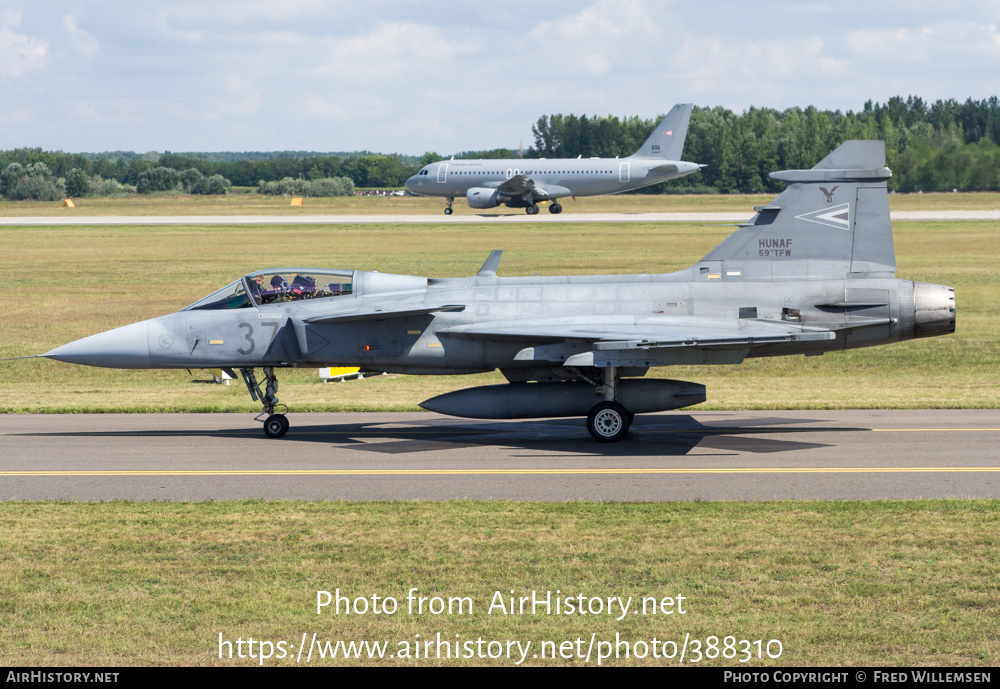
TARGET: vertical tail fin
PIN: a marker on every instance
(831, 221)
(667, 140)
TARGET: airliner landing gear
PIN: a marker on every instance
(447, 210)
(555, 208)
(275, 425)
(531, 210)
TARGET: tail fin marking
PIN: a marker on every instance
(667, 140)
(831, 220)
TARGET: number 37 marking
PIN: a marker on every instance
(249, 343)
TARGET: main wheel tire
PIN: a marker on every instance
(275, 426)
(555, 208)
(608, 422)
(531, 210)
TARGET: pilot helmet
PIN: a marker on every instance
(278, 282)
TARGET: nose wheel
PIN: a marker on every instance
(275, 425)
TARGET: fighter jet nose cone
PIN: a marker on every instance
(126, 347)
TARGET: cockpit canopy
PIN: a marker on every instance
(277, 285)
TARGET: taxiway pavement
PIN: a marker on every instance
(364, 456)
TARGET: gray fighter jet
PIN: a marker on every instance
(811, 272)
(523, 183)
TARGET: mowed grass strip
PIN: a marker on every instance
(256, 204)
(837, 583)
(62, 284)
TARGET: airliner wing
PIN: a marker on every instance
(665, 168)
(517, 185)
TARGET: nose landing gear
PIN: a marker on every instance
(275, 425)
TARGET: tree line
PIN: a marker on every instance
(31, 173)
(936, 146)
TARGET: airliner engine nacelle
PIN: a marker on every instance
(484, 197)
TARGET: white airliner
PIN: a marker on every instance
(524, 182)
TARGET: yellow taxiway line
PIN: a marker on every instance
(935, 430)
(473, 472)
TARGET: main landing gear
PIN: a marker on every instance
(555, 208)
(275, 425)
(608, 421)
(531, 210)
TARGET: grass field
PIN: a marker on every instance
(837, 584)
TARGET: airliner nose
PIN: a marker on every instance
(411, 182)
(126, 347)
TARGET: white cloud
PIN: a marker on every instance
(19, 52)
(83, 43)
(411, 76)
(315, 105)
(240, 97)
(391, 50)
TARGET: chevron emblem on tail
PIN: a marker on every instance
(838, 217)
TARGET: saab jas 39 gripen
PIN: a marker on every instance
(811, 272)
(523, 183)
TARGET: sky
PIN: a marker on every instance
(410, 76)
